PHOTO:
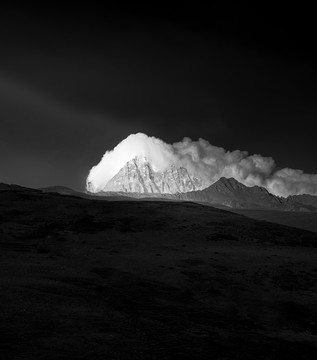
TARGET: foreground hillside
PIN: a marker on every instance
(301, 220)
(89, 279)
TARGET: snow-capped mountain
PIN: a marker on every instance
(138, 176)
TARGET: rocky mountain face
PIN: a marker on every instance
(138, 179)
(231, 193)
(138, 176)
(309, 201)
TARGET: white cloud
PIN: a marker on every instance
(205, 161)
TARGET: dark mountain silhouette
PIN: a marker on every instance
(231, 193)
(63, 190)
(309, 201)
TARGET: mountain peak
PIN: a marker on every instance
(139, 176)
(228, 184)
(230, 192)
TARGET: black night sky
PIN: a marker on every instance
(75, 82)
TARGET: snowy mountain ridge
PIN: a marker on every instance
(139, 176)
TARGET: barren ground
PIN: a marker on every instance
(83, 279)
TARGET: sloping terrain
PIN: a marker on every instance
(89, 279)
(296, 214)
(63, 190)
(301, 220)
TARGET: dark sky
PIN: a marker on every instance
(75, 82)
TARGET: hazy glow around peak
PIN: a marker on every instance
(203, 160)
(155, 150)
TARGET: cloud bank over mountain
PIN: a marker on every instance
(205, 161)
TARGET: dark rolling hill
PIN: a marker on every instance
(299, 219)
(63, 190)
(96, 279)
(255, 202)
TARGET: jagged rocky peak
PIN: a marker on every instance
(228, 185)
(139, 176)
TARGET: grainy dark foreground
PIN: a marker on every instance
(84, 279)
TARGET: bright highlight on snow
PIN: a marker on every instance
(203, 161)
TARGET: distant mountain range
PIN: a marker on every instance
(254, 202)
(231, 193)
(138, 179)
